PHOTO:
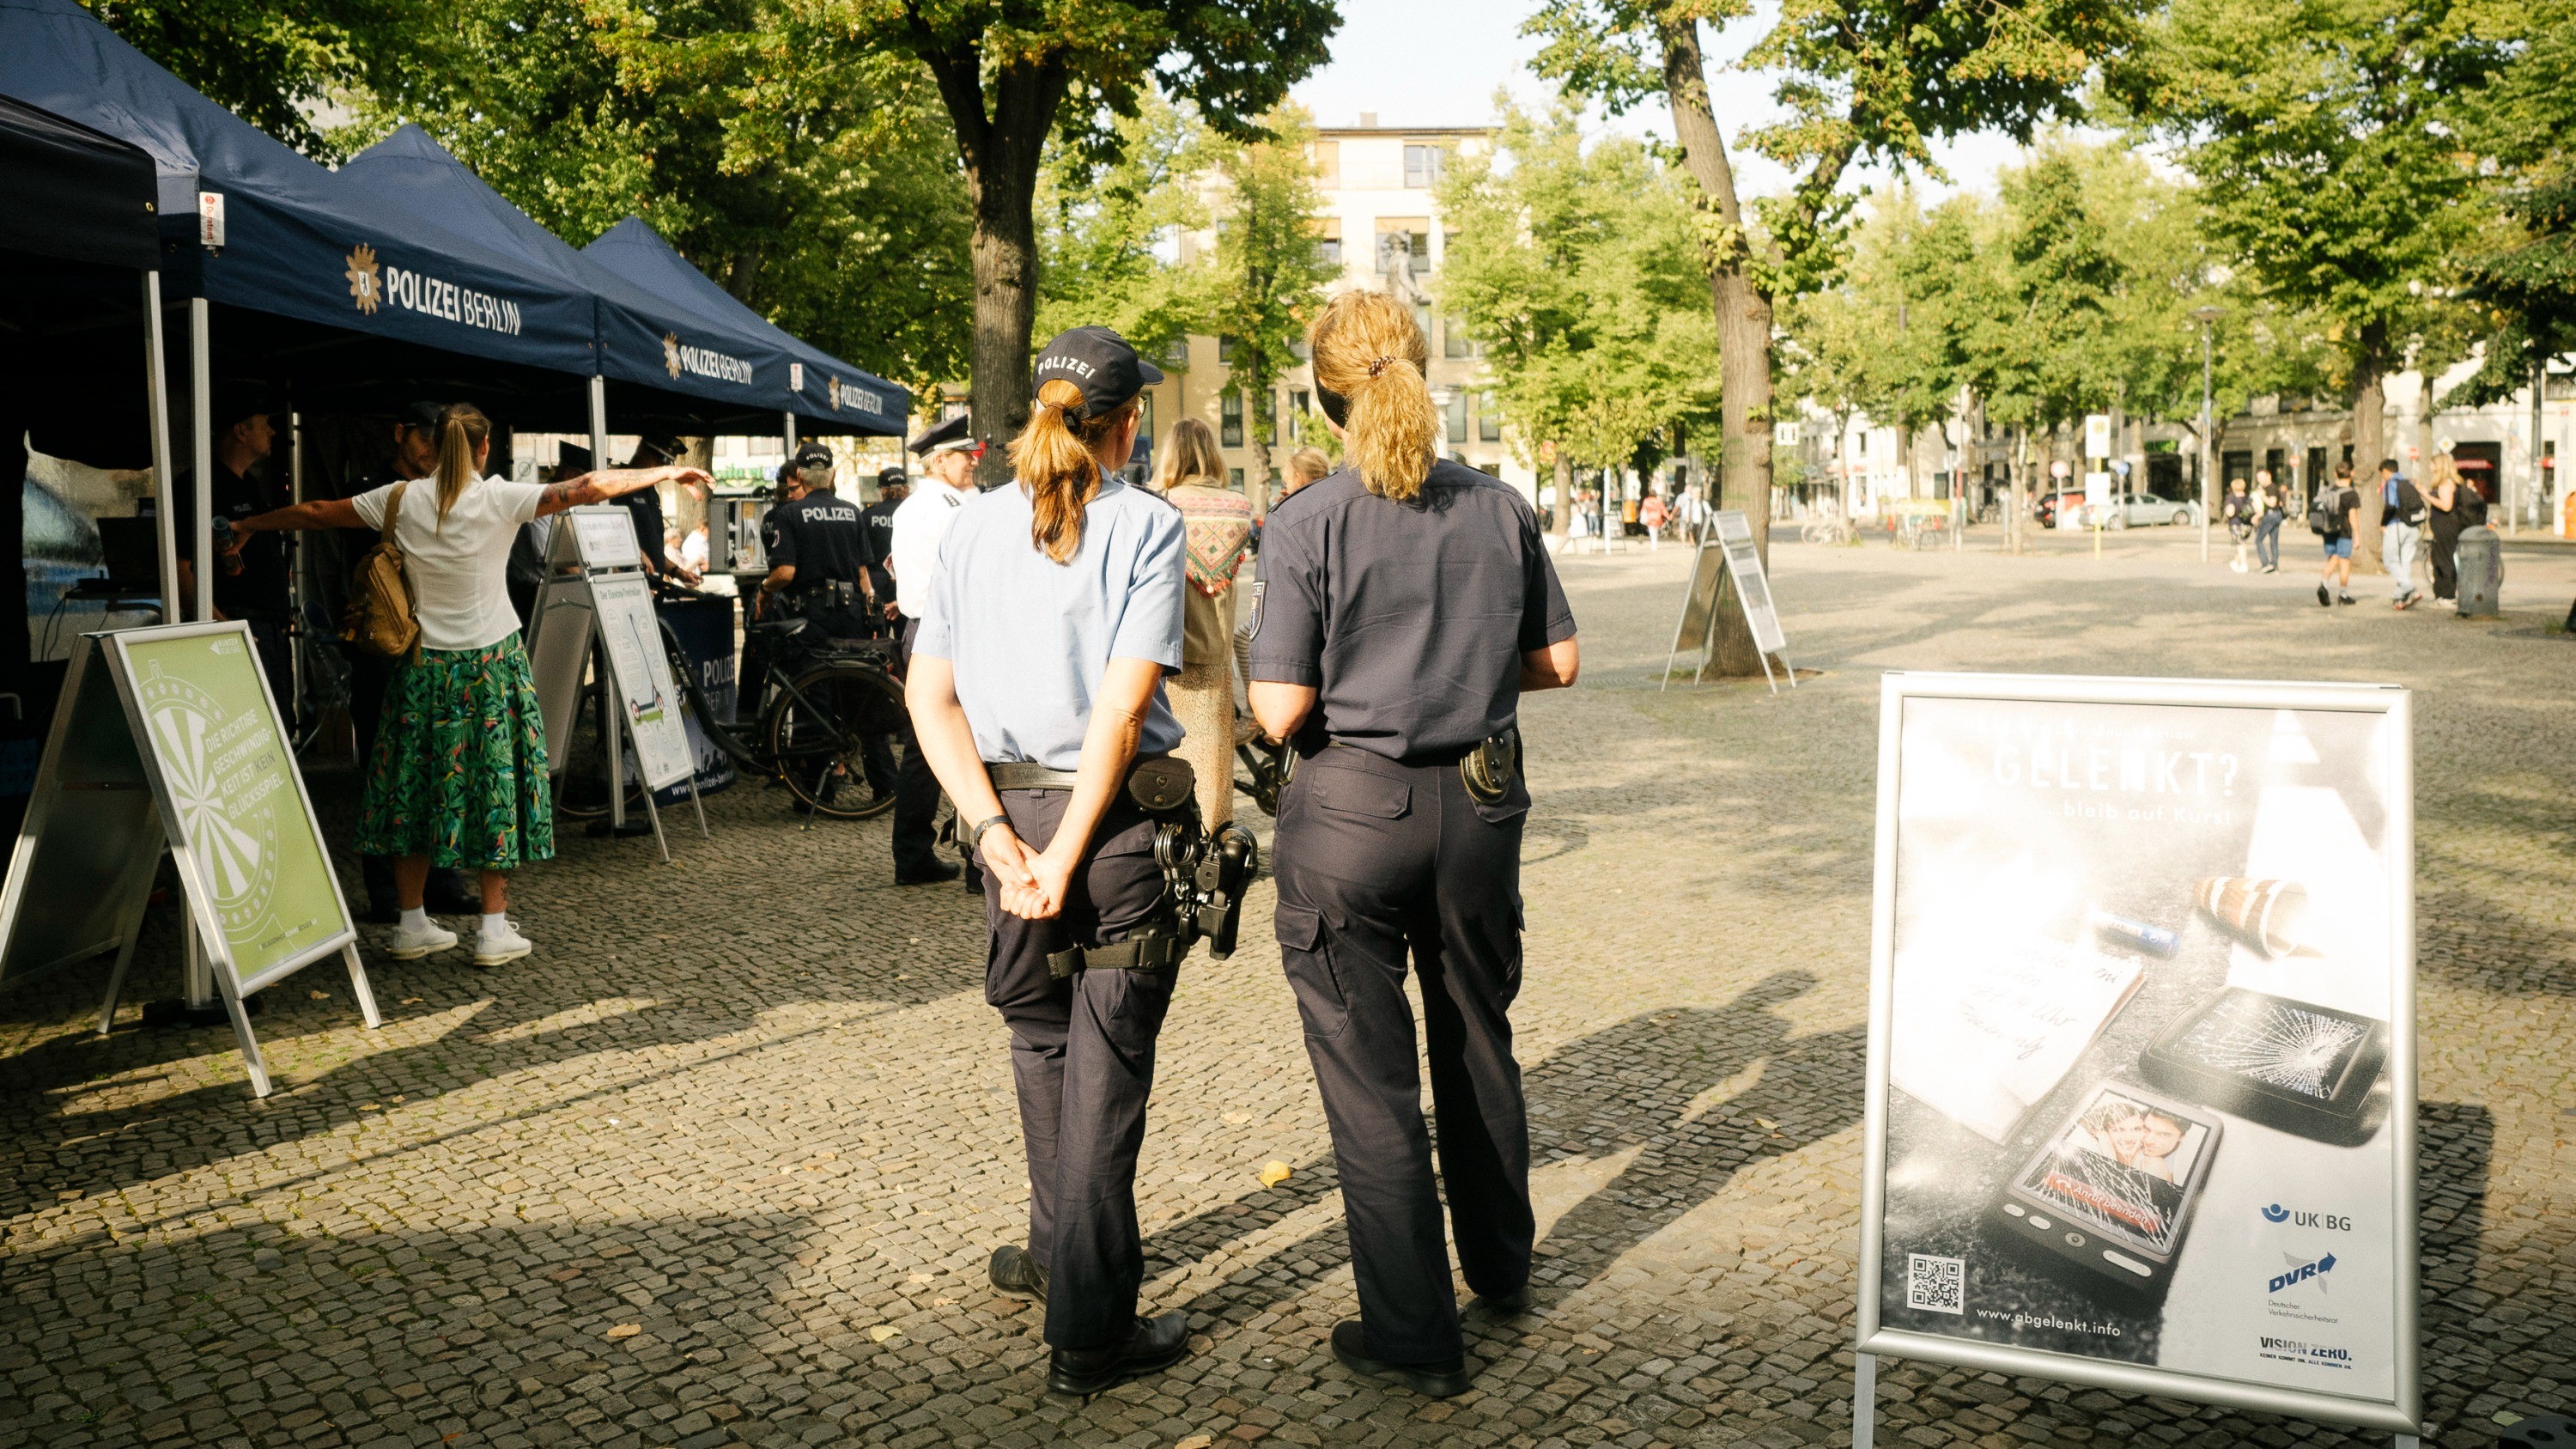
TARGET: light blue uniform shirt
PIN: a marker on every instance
(1030, 638)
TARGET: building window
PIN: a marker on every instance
(1413, 233)
(1454, 341)
(1225, 351)
(1456, 409)
(1145, 425)
(1230, 425)
(1421, 166)
(1328, 241)
(1489, 421)
(1233, 480)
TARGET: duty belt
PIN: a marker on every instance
(1162, 787)
(1136, 953)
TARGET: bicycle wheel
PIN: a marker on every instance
(695, 705)
(833, 732)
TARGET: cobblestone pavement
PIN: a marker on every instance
(721, 1163)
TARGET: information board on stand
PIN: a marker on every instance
(2141, 1068)
(166, 739)
(1729, 557)
(596, 604)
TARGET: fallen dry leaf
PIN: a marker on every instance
(413, 1000)
(942, 1302)
(884, 1331)
(626, 1330)
(1274, 1172)
(1196, 1441)
(320, 995)
(1767, 1124)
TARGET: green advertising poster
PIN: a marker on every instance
(240, 802)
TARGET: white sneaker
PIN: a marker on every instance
(492, 950)
(409, 945)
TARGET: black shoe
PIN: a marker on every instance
(1503, 1305)
(933, 872)
(1017, 1275)
(450, 894)
(2343, 598)
(1446, 1379)
(1157, 1344)
(2323, 601)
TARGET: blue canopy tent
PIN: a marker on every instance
(830, 395)
(663, 362)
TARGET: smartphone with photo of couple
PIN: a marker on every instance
(2111, 1190)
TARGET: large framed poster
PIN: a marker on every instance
(2141, 1077)
(1727, 553)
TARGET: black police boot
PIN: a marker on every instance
(1503, 1305)
(384, 906)
(1445, 1379)
(1017, 1275)
(933, 871)
(1157, 1344)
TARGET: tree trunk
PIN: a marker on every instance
(1000, 152)
(2369, 445)
(1743, 326)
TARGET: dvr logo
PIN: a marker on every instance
(2303, 1272)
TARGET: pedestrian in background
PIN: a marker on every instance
(2401, 523)
(1651, 514)
(1190, 475)
(1039, 652)
(1306, 465)
(1407, 603)
(2238, 510)
(2331, 516)
(2444, 515)
(459, 772)
(948, 454)
(2272, 508)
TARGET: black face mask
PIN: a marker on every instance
(1336, 406)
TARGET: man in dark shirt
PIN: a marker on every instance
(258, 592)
(820, 557)
(652, 534)
(893, 486)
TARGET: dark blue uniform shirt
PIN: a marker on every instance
(822, 536)
(1409, 618)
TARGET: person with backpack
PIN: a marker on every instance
(2330, 518)
(2271, 510)
(2238, 509)
(2401, 524)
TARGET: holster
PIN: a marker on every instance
(1489, 769)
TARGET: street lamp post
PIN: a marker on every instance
(2205, 316)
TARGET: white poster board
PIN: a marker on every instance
(2141, 1076)
(1744, 561)
(641, 672)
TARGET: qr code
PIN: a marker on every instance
(1937, 1285)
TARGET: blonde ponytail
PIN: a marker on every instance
(1054, 456)
(1368, 349)
(462, 430)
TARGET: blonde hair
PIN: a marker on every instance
(1053, 455)
(462, 431)
(1309, 464)
(1368, 349)
(2445, 470)
(1189, 456)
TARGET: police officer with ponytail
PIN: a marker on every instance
(1036, 687)
(1405, 604)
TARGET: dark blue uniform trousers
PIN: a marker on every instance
(1376, 859)
(916, 789)
(1082, 1057)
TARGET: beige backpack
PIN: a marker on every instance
(379, 619)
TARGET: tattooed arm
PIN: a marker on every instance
(607, 483)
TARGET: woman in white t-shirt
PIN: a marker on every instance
(459, 774)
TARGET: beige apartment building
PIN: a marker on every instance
(1380, 223)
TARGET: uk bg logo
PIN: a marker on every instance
(671, 353)
(366, 287)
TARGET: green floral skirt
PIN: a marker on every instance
(459, 773)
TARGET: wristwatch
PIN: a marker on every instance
(975, 842)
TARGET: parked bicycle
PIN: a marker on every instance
(1827, 528)
(826, 718)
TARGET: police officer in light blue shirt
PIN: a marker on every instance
(1036, 683)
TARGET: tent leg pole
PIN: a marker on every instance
(201, 377)
(156, 388)
(598, 422)
(787, 430)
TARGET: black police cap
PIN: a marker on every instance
(890, 476)
(952, 433)
(1099, 362)
(813, 455)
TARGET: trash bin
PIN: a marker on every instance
(2480, 559)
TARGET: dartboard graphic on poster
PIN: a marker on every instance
(200, 748)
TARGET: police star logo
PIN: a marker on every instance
(366, 283)
(671, 353)
(832, 387)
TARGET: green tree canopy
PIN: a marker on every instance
(1266, 279)
(268, 61)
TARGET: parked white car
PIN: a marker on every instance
(2144, 510)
